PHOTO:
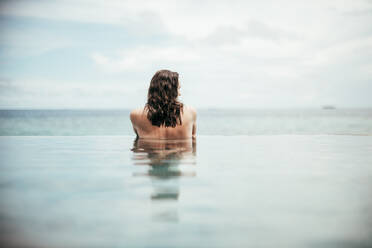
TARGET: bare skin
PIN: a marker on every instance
(144, 129)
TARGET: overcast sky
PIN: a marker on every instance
(252, 54)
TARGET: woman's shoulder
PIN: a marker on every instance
(190, 110)
(136, 113)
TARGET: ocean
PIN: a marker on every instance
(295, 178)
(286, 191)
(210, 122)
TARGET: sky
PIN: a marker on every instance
(229, 54)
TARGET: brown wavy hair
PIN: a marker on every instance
(162, 105)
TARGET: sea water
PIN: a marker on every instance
(210, 122)
(219, 191)
(253, 179)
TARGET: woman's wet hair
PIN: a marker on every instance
(162, 105)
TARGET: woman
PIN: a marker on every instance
(163, 116)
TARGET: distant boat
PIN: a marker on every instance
(328, 107)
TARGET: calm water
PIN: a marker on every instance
(253, 178)
(221, 191)
(210, 122)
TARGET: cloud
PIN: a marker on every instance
(67, 94)
(251, 30)
(7, 87)
(145, 57)
(349, 52)
(237, 53)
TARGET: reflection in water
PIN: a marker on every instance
(164, 158)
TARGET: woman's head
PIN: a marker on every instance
(163, 107)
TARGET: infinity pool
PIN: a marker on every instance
(235, 191)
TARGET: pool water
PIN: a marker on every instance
(220, 191)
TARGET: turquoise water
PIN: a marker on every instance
(221, 191)
(210, 122)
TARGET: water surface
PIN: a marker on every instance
(210, 122)
(234, 191)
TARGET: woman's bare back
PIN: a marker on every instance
(144, 129)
